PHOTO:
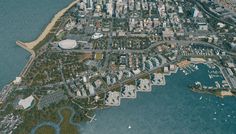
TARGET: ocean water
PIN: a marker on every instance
(170, 109)
(21, 20)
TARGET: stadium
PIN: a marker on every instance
(67, 44)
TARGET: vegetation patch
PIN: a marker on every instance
(66, 126)
(45, 130)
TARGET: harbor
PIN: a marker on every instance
(218, 86)
(169, 104)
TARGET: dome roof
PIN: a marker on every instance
(67, 44)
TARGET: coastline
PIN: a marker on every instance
(226, 93)
(157, 108)
(29, 62)
(30, 45)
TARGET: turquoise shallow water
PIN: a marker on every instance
(171, 109)
(21, 20)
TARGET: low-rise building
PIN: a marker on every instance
(143, 85)
(166, 69)
(168, 33)
(230, 72)
(112, 98)
(158, 79)
(128, 91)
(26, 103)
(172, 67)
(91, 89)
(17, 80)
(49, 99)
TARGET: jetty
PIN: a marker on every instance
(29, 46)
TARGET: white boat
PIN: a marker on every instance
(188, 70)
(210, 76)
(129, 127)
(200, 98)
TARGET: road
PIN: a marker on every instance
(109, 43)
(211, 15)
(178, 42)
(65, 83)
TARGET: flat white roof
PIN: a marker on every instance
(25, 103)
(97, 35)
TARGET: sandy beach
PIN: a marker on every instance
(31, 45)
(226, 93)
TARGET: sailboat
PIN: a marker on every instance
(129, 127)
(200, 98)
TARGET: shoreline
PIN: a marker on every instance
(226, 93)
(29, 46)
(220, 94)
(29, 62)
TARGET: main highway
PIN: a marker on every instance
(178, 42)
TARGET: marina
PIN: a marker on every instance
(158, 79)
(204, 109)
(189, 69)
